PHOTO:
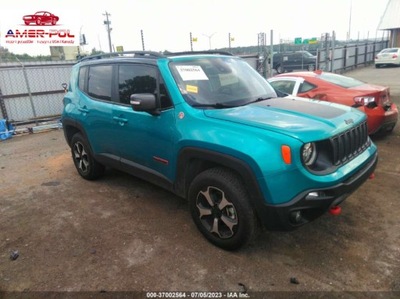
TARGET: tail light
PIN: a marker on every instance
(364, 100)
(394, 56)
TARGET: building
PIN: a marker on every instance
(391, 21)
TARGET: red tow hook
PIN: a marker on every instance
(335, 210)
(372, 176)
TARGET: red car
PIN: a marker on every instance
(374, 100)
(41, 18)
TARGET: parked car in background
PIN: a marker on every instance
(389, 56)
(291, 61)
(41, 18)
(372, 99)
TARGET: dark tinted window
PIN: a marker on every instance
(100, 82)
(136, 79)
(140, 79)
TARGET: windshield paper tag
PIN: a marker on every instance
(191, 72)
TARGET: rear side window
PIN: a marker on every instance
(100, 82)
(284, 86)
(82, 78)
(306, 86)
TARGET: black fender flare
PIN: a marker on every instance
(192, 161)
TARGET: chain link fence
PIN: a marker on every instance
(31, 92)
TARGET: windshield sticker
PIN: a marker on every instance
(191, 72)
(228, 79)
(192, 89)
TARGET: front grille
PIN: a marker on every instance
(350, 144)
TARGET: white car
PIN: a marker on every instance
(389, 56)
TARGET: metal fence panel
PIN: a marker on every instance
(32, 91)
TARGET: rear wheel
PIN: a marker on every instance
(221, 209)
(83, 159)
(311, 68)
(280, 69)
(38, 21)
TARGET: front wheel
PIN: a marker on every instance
(83, 159)
(221, 209)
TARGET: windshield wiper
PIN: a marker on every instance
(214, 105)
(260, 99)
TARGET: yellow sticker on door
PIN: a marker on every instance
(192, 89)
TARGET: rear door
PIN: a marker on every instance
(95, 106)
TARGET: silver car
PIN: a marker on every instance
(389, 56)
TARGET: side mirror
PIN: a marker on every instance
(65, 86)
(145, 102)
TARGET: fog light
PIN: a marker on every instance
(295, 217)
(315, 195)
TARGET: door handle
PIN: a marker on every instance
(121, 121)
(83, 109)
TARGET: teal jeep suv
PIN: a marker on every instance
(207, 127)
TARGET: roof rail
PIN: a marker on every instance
(197, 52)
(144, 54)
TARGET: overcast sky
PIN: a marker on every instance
(167, 25)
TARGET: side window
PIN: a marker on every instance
(140, 79)
(306, 86)
(100, 82)
(82, 78)
(284, 86)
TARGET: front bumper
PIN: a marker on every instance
(312, 203)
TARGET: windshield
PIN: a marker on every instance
(307, 54)
(219, 82)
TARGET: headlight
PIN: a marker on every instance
(309, 153)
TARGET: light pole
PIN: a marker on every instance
(351, 8)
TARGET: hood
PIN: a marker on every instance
(306, 120)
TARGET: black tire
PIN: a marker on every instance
(83, 159)
(221, 209)
(280, 69)
(38, 21)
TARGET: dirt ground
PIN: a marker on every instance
(121, 234)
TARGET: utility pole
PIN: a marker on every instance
(107, 22)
